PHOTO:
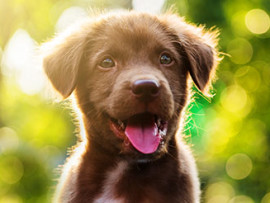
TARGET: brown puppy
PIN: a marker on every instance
(130, 75)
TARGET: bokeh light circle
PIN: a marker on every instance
(241, 199)
(234, 99)
(11, 169)
(266, 198)
(257, 21)
(8, 139)
(239, 166)
(11, 198)
(240, 50)
(248, 77)
(219, 192)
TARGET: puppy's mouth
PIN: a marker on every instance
(144, 131)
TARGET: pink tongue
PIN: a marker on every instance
(142, 132)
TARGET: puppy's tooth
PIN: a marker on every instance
(162, 133)
(119, 122)
(158, 122)
(122, 126)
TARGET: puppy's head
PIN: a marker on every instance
(129, 73)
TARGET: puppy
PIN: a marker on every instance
(130, 73)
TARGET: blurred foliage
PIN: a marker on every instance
(230, 135)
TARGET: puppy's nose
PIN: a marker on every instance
(145, 90)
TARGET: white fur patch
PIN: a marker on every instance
(113, 176)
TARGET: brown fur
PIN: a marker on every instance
(135, 42)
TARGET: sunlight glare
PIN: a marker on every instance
(20, 60)
(151, 6)
(69, 17)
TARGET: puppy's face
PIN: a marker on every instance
(130, 75)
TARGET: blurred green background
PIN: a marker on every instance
(230, 135)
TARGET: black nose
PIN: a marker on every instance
(145, 90)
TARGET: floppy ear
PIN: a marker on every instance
(62, 57)
(198, 48)
(200, 60)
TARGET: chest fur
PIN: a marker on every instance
(144, 183)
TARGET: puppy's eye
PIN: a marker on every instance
(166, 59)
(107, 63)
